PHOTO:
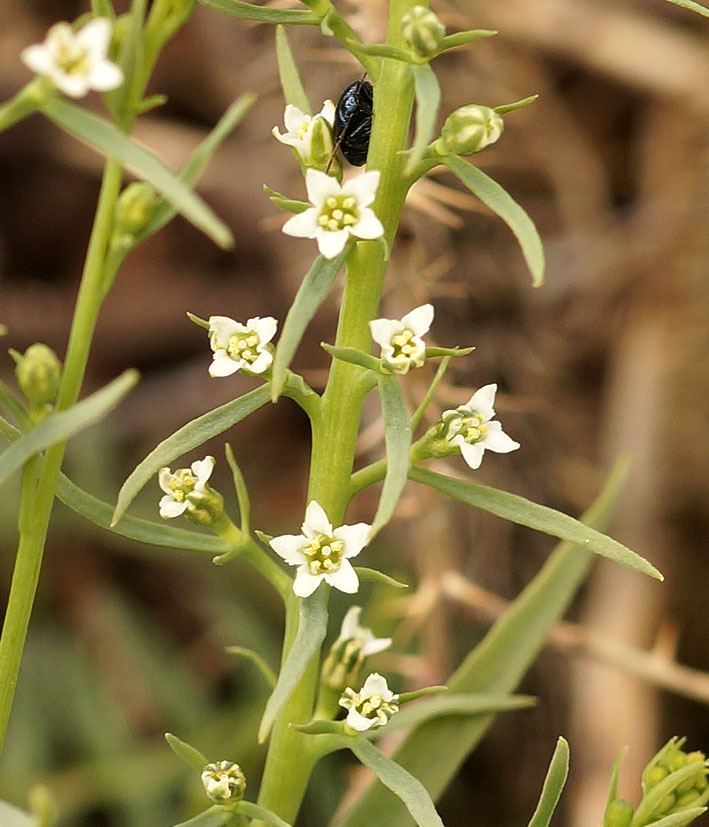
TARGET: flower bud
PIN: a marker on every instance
(423, 31)
(136, 206)
(673, 781)
(619, 813)
(469, 129)
(224, 782)
(38, 373)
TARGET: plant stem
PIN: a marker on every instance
(289, 761)
(37, 500)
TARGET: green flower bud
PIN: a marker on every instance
(38, 373)
(224, 782)
(136, 206)
(423, 31)
(469, 129)
(619, 813)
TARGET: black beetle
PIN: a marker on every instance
(353, 122)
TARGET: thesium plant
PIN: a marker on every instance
(315, 560)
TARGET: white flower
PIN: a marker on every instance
(76, 62)
(300, 129)
(372, 706)
(339, 212)
(351, 630)
(322, 553)
(185, 488)
(469, 428)
(224, 782)
(400, 341)
(239, 346)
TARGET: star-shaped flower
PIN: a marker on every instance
(321, 552)
(339, 211)
(300, 128)
(372, 706)
(185, 488)
(352, 631)
(239, 346)
(400, 341)
(76, 62)
(469, 427)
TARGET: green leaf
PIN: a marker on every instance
(653, 798)
(510, 107)
(292, 85)
(190, 436)
(254, 811)
(283, 203)
(680, 819)
(111, 142)
(263, 14)
(215, 816)
(58, 427)
(397, 436)
(450, 41)
(615, 774)
(242, 492)
(428, 99)
(432, 352)
(311, 294)
(312, 626)
(435, 749)
(134, 528)
(409, 789)
(13, 817)
(103, 8)
(539, 517)
(257, 660)
(353, 356)
(13, 406)
(692, 6)
(553, 785)
(189, 754)
(502, 204)
(375, 576)
(459, 705)
(198, 160)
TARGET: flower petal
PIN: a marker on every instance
(170, 508)
(320, 186)
(290, 548)
(331, 243)
(483, 400)
(223, 365)
(222, 328)
(363, 188)
(355, 537)
(264, 328)
(305, 583)
(328, 111)
(95, 36)
(368, 226)
(316, 521)
(202, 469)
(261, 363)
(419, 320)
(350, 624)
(358, 721)
(472, 454)
(372, 645)
(383, 329)
(293, 118)
(345, 578)
(37, 58)
(106, 75)
(304, 224)
(497, 440)
(376, 685)
(164, 477)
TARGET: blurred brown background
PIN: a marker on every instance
(612, 354)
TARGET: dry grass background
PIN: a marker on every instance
(612, 354)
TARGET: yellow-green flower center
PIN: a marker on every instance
(402, 344)
(182, 483)
(72, 59)
(244, 346)
(324, 554)
(469, 424)
(374, 707)
(338, 212)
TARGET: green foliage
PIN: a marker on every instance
(428, 99)
(553, 785)
(263, 14)
(292, 85)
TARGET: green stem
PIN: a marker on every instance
(37, 501)
(289, 761)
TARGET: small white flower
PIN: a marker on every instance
(76, 62)
(239, 346)
(300, 129)
(321, 552)
(185, 488)
(339, 211)
(469, 428)
(400, 341)
(224, 782)
(372, 706)
(352, 631)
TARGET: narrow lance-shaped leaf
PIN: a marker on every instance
(189, 754)
(263, 14)
(434, 750)
(256, 812)
(111, 142)
(428, 99)
(312, 627)
(311, 294)
(58, 427)
(215, 816)
(190, 436)
(680, 819)
(502, 204)
(553, 785)
(692, 6)
(409, 789)
(397, 436)
(292, 85)
(198, 160)
(540, 517)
